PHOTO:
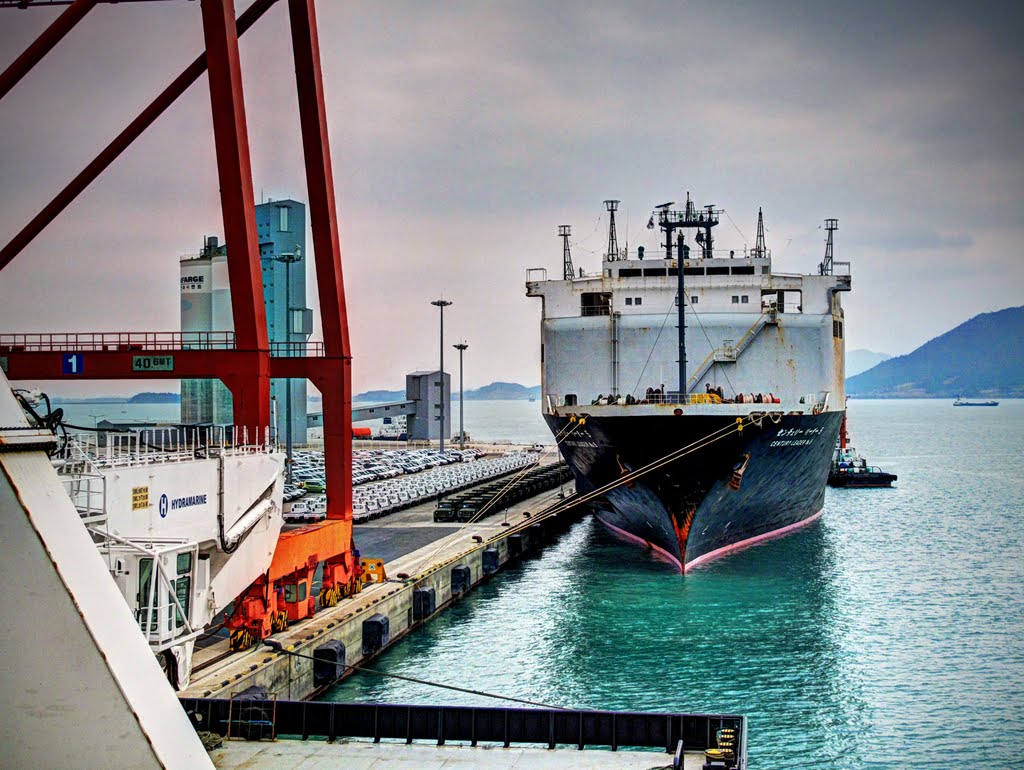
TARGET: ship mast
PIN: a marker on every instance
(684, 253)
(825, 267)
(687, 219)
(613, 243)
(567, 270)
(759, 249)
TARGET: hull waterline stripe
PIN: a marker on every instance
(629, 535)
(782, 531)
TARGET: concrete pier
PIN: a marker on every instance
(364, 755)
(409, 542)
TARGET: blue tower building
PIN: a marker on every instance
(206, 306)
(281, 229)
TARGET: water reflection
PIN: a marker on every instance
(595, 624)
(889, 632)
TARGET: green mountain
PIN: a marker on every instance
(496, 391)
(981, 357)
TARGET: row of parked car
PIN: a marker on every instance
(380, 498)
(496, 496)
(385, 481)
(309, 479)
(377, 464)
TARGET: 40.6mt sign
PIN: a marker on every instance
(152, 363)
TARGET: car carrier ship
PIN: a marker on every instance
(738, 447)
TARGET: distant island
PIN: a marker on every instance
(981, 357)
(496, 391)
(858, 361)
(138, 398)
(155, 398)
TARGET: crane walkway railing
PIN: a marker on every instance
(73, 342)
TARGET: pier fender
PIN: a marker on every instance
(536, 536)
(376, 633)
(491, 560)
(329, 663)
(462, 577)
(424, 603)
(515, 545)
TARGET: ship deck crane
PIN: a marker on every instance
(244, 360)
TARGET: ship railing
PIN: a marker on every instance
(88, 493)
(817, 401)
(86, 487)
(674, 398)
(243, 441)
(774, 308)
(727, 351)
(168, 444)
(536, 274)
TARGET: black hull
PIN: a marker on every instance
(687, 509)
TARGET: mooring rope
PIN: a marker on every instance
(445, 541)
(716, 435)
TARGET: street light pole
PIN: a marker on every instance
(288, 260)
(442, 303)
(462, 431)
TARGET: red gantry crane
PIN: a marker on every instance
(244, 360)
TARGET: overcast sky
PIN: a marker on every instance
(464, 133)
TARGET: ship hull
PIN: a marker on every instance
(689, 510)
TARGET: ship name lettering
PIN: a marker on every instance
(786, 432)
(792, 442)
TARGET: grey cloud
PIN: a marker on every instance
(463, 133)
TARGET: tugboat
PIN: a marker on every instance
(849, 469)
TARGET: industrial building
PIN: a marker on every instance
(206, 307)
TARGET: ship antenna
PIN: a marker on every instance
(759, 250)
(564, 231)
(825, 268)
(613, 243)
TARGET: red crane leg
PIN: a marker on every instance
(44, 44)
(124, 140)
(335, 382)
(235, 173)
(319, 179)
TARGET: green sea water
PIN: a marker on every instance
(889, 633)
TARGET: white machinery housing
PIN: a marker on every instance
(185, 518)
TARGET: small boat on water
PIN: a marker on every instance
(849, 469)
(961, 402)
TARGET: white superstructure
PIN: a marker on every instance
(615, 333)
(185, 519)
